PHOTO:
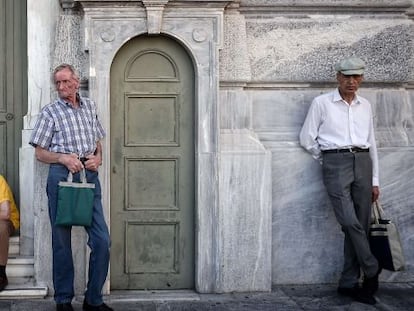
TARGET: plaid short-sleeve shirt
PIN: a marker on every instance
(64, 129)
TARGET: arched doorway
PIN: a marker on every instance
(152, 165)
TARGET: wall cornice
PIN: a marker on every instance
(173, 3)
(354, 7)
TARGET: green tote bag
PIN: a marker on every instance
(75, 202)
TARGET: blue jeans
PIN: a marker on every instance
(98, 242)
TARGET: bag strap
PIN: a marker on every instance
(82, 176)
(377, 211)
(70, 177)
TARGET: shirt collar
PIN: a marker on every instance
(338, 98)
(79, 98)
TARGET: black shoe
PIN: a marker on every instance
(64, 307)
(349, 291)
(365, 297)
(3, 282)
(103, 307)
(370, 285)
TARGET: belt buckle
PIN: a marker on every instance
(352, 150)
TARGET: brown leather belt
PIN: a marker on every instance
(352, 150)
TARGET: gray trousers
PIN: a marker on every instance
(348, 180)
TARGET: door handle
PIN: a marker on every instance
(9, 116)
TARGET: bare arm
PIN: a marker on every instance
(71, 161)
(5, 210)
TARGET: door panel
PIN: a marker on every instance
(12, 87)
(3, 95)
(152, 162)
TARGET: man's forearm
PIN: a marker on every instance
(46, 156)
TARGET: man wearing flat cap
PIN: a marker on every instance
(339, 132)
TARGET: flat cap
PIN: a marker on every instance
(351, 66)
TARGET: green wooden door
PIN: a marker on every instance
(152, 166)
(12, 87)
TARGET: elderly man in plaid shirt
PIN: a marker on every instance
(67, 136)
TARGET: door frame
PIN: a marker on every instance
(200, 34)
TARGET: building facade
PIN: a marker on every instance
(205, 186)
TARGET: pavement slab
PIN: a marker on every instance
(321, 297)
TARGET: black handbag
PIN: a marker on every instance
(385, 242)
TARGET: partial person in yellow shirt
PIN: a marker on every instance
(9, 222)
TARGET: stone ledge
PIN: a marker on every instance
(23, 292)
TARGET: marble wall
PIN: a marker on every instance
(258, 64)
(306, 240)
(292, 47)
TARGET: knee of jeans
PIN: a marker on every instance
(101, 245)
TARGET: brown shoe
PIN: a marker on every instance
(3, 282)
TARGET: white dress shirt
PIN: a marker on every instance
(331, 123)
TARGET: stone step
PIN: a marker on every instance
(27, 291)
(20, 267)
(20, 273)
(14, 245)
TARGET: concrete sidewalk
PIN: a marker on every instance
(391, 296)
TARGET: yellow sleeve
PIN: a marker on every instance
(7, 195)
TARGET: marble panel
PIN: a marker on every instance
(244, 217)
(42, 233)
(27, 184)
(206, 223)
(393, 111)
(307, 240)
(278, 115)
(397, 197)
(41, 21)
(306, 49)
(235, 110)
